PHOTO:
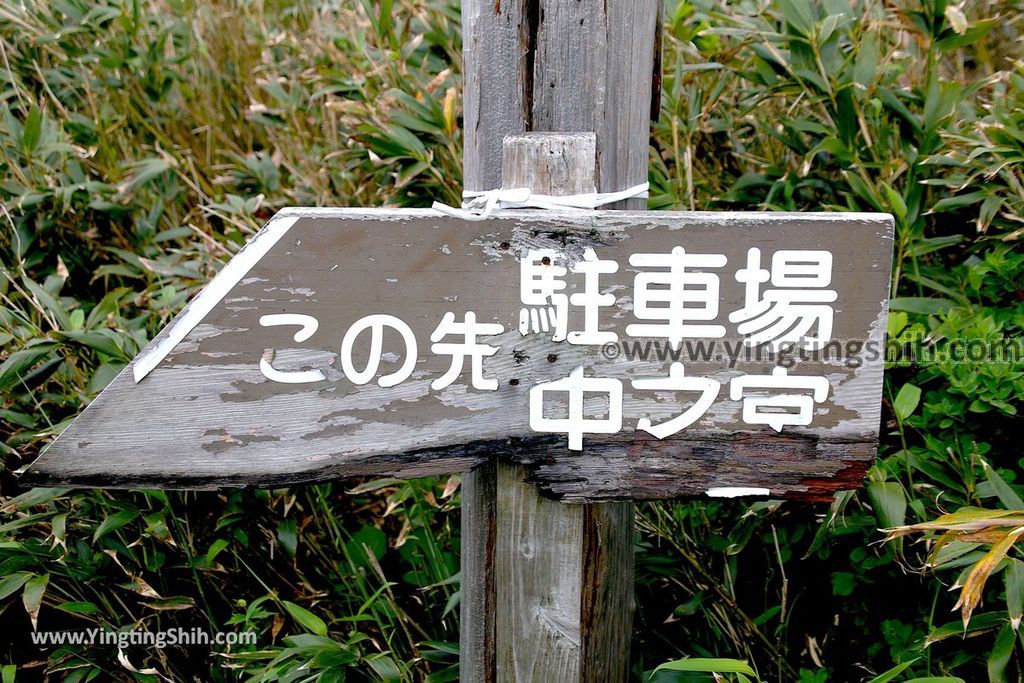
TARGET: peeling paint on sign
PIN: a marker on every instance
(406, 343)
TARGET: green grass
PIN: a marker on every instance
(141, 144)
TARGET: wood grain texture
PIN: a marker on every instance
(495, 40)
(592, 67)
(477, 588)
(554, 164)
(606, 618)
(563, 573)
(509, 55)
(539, 582)
(593, 72)
(564, 584)
(497, 80)
(225, 423)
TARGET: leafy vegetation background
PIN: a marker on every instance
(143, 141)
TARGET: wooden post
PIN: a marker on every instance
(495, 40)
(550, 65)
(564, 573)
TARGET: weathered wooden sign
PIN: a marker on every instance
(618, 355)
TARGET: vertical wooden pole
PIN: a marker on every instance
(555, 65)
(564, 573)
(494, 105)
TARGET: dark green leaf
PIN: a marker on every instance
(906, 401)
(306, 619)
(113, 523)
(889, 502)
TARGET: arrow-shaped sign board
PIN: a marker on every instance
(619, 355)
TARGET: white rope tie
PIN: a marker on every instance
(477, 206)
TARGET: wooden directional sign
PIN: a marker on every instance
(618, 355)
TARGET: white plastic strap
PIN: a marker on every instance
(477, 206)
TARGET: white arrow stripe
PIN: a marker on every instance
(212, 293)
